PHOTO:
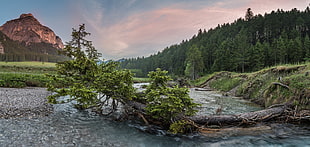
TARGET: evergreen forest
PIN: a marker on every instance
(247, 44)
(19, 51)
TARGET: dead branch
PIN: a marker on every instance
(280, 84)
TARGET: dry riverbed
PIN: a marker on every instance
(24, 102)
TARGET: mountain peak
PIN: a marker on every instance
(28, 29)
(26, 15)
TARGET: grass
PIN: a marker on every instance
(25, 74)
(22, 74)
(201, 80)
(27, 67)
(28, 64)
(19, 80)
(225, 84)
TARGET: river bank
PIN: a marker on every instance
(24, 102)
(267, 87)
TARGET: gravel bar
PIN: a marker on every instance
(24, 102)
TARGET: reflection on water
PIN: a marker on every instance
(70, 127)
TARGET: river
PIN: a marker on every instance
(70, 127)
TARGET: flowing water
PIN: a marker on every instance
(70, 127)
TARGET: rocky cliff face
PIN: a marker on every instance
(29, 30)
(1, 48)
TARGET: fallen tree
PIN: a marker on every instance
(244, 118)
(224, 123)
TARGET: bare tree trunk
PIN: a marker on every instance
(250, 117)
(244, 118)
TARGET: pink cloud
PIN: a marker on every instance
(146, 33)
(165, 27)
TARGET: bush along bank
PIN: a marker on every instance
(267, 87)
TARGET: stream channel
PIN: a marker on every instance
(67, 126)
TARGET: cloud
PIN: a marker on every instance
(147, 32)
(159, 28)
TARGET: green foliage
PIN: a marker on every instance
(298, 81)
(194, 62)
(85, 81)
(165, 103)
(181, 126)
(159, 79)
(19, 80)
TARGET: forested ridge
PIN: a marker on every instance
(248, 44)
(19, 51)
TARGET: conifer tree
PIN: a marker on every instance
(194, 62)
(87, 82)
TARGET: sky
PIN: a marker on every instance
(136, 28)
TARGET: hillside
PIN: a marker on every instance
(26, 39)
(269, 86)
(245, 45)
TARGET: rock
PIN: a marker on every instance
(28, 29)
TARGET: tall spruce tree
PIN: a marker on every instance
(194, 62)
(307, 47)
(249, 14)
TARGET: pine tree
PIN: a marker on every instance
(249, 14)
(194, 62)
(307, 47)
(86, 81)
(257, 56)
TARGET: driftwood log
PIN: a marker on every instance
(265, 115)
(246, 118)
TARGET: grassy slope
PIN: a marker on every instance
(22, 74)
(263, 86)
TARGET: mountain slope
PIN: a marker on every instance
(28, 29)
(26, 39)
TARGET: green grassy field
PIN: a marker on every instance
(29, 64)
(22, 74)
(27, 67)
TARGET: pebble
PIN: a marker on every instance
(24, 102)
